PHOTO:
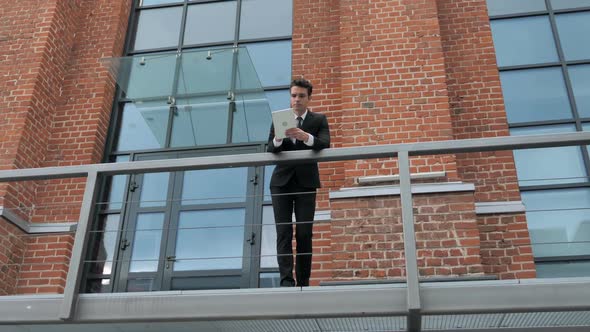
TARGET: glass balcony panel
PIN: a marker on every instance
(563, 269)
(567, 4)
(210, 22)
(251, 119)
(572, 29)
(157, 28)
(201, 121)
(523, 41)
(214, 186)
(504, 7)
(558, 221)
(146, 76)
(210, 240)
(146, 243)
(535, 95)
(269, 280)
(580, 78)
(206, 72)
(546, 166)
(143, 126)
(266, 18)
(278, 99)
(272, 61)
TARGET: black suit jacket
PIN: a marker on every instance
(307, 175)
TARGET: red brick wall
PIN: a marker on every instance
(12, 246)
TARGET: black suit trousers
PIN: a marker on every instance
(301, 200)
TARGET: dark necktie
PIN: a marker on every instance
(299, 121)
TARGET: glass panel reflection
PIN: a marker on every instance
(580, 78)
(143, 128)
(559, 222)
(206, 71)
(200, 121)
(146, 76)
(278, 99)
(503, 7)
(117, 189)
(535, 95)
(154, 189)
(268, 244)
(272, 61)
(267, 175)
(563, 269)
(522, 41)
(146, 242)
(157, 2)
(269, 280)
(565, 4)
(573, 35)
(540, 166)
(106, 240)
(211, 186)
(251, 120)
(210, 240)
(210, 22)
(158, 28)
(266, 18)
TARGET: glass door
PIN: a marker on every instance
(192, 229)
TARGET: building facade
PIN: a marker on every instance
(87, 82)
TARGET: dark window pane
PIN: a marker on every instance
(146, 243)
(143, 126)
(103, 251)
(210, 22)
(573, 33)
(546, 165)
(98, 286)
(272, 61)
(201, 121)
(210, 240)
(268, 243)
(521, 41)
(158, 28)
(157, 2)
(211, 186)
(141, 285)
(266, 18)
(535, 95)
(503, 7)
(117, 189)
(558, 221)
(564, 4)
(563, 269)
(580, 78)
(154, 189)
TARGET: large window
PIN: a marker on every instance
(543, 54)
(157, 231)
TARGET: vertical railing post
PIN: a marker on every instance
(413, 286)
(79, 250)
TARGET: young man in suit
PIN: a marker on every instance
(293, 187)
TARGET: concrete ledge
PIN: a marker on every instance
(37, 228)
(368, 180)
(391, 190)
(499, 207)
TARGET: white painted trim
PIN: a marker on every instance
(367, 180)
(499, 207)
(390, 190)
(37, 228)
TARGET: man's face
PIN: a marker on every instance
(299, 99)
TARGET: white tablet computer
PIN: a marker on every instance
(283, 120)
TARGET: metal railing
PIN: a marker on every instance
(401, 151)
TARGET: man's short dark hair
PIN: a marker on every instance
(303, 83)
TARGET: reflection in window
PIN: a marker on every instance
(267, 175)
(154, 189)
(212, 186)
(204, 72)
(210, 240)
(146, 243)
(278, 99)
(104, 251)
(117, 189)
(251, 120)
(268, 251)
(504, 7)
(565, 4)
(547, 165)
(210, 22)
(580, 77)
(562, 269)
(143, 126)
(158, 28)
(573, 33)
(272, 61)
(559, 222)
(202, 122)
(522, 41)
(535, 95)
(266, 18)
(269, 280)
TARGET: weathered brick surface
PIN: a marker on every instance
(12, 246)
